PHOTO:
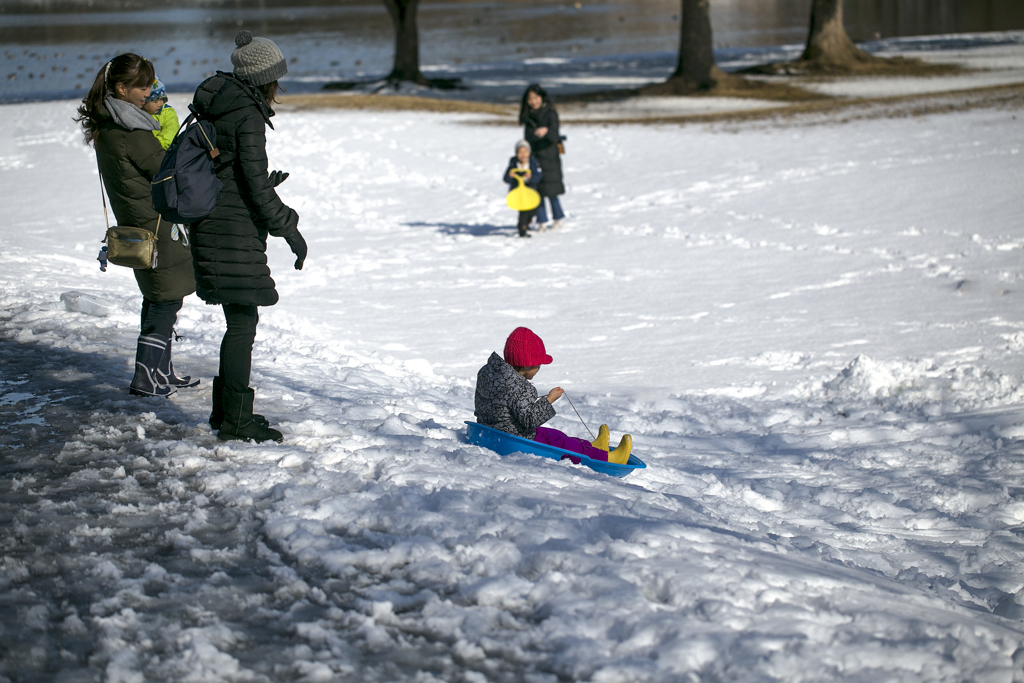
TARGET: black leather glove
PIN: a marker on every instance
(298, 247)
(278, 177)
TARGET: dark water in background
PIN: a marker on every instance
(57, 53)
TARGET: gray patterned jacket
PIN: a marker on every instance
(508, 401)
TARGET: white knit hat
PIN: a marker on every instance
(524, 143)
(257, 60)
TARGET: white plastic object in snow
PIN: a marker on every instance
(87, 303)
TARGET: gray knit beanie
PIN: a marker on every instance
(257, 60)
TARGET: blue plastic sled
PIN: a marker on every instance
(505, 444)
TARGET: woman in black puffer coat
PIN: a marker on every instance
(128, 156)
(540, 128)
(229, 246)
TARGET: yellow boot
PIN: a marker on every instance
(602, 438)
(620, 456)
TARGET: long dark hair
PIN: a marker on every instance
(130, 70)
(524, 108)
(269, 92)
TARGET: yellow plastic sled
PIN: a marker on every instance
(522, 198)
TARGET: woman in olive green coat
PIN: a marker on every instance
(129, 155)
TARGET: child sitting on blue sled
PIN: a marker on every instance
(506, 400)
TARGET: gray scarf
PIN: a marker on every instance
(127, 115)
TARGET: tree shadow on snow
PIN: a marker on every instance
(473, 229)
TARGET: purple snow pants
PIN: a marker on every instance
(553, 437)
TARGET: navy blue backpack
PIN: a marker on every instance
(185, 189)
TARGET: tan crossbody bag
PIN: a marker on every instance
(127, 246)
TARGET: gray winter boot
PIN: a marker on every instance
(238, 419)
(147, 380)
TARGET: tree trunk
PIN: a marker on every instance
(407, 41)
(696, 53)
(827, 42)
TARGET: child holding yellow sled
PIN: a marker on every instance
(523, 175)
(506, 400)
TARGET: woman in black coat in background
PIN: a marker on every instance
(538, 115)
(229, 246)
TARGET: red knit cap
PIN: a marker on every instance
(524, 349)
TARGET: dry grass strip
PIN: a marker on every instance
(799, 112)
(870, 66)
(393, 103)
(843, 110)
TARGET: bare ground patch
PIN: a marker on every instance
(393, 103)
(872, 66)
(730, 85)
(836, 110)
(797, 110)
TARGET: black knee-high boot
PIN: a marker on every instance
(166, 370)
(239, 422)
(147, 380)
(217, 413)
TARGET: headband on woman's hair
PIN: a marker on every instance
(106, 71)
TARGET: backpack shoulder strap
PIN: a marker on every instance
(184, 124)
(195, 115)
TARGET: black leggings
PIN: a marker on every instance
(236, 347)
(158, 317)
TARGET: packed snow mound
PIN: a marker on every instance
(865, 378)
(922, 385)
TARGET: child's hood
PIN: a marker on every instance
(498, 374)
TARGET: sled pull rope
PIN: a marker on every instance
(578, 413)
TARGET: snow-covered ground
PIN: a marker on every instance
(814, 335)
